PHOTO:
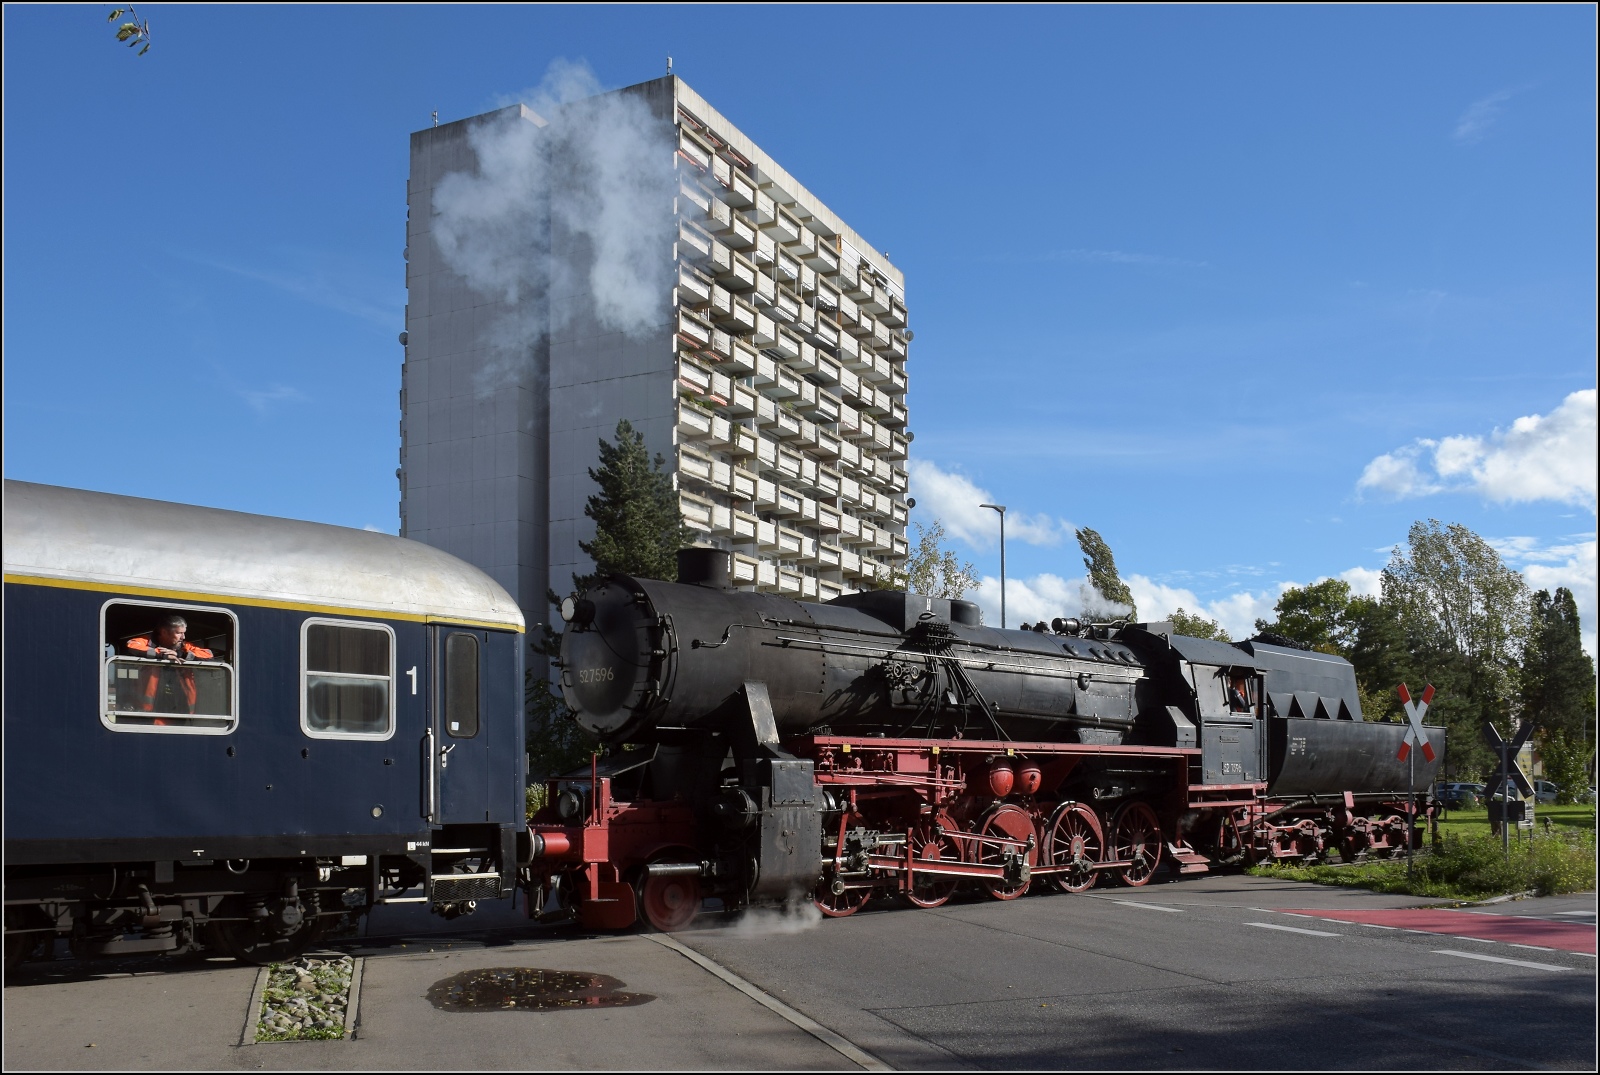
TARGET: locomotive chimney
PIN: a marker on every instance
(711, 568)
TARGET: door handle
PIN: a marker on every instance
(444, 755)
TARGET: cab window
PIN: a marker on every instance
(461, 684)
(168, 668)
(347, 680)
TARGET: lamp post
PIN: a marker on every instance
(1001, 508)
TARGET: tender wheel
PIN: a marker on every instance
(669, 903)
(1013, 823)
(839, 904)
(268, 940)
(1076, 840)
(930, 891)
(1138, 838)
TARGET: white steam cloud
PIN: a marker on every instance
(1541, 457)
(953, 499)
(577, 173)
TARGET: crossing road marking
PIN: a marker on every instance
(1294, 929)
(1148, 906)
(1500, 959)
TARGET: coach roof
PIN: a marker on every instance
(152, 547)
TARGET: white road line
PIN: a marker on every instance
(1293, 929)
(839, 1044)
(1374, 925)
(1589, 913)
(1147, 906)
(1585, 955)
(1535, 947)
(1500, 959)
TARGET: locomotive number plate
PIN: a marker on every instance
(597, 675)
(1297, 744)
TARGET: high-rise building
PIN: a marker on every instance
(768, 367)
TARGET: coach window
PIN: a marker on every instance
(168, 668)
(347, 680)
(461, 685)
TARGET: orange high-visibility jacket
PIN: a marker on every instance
(152, 678)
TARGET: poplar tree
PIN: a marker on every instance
(933, 570)
(1102, 567)
(1558, 690)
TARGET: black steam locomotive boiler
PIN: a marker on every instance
(763, 748)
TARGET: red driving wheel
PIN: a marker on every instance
(1137, 840)
(670, 903)
(1012, 823)
(1075, 841)
(929, 890)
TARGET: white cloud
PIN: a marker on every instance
(1364, 581)
(1473, 124)
(1571, 564)
(953, 499)
(1541, 457)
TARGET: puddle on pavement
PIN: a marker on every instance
(530, 989)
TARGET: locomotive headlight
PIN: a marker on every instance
(569, 804)
(577, 611)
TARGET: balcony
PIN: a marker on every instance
(693, 423)
(743, 484)
(746, 569)
(694, 466)
(877, 303)
(767, 574)
(828, 445)
(693, 376)
(826, 333)
(740, 318)
(828, 481)
(849, 455)
(789, 581)
(808, 434)
(850, 490)
(740, 236)
(742, 440)
(849, 422)
(897, 449)
(808, 281)
(719, 259)
(721, 431)
(721, 475)
(721, 171)
(859, 284)
(897, 346)
(850, 351)
(874, 369)
(788, 463)
(805, 243)
(786, 268)
(806, 360)
(895, 316)
(790, 543)
(808, 587)
(786, 308)
(721, 304)
(741, 359)
(721, 519)
(744, 526)
(741, 274)
(808, 469)
(766, 251)
(741, 192)
(829, 556)
(694, 151)
(899, 512)
(806, 319)
(721, 343)
(767, 456)
(901, 549)
(829, 372)
(822, 258)
(693, 331)
(849, 384)
(719, 218)
(694, 286)
(827, 519)
(897, 382)
(743, 402)
(766, 536)
(849, 564)
(696, 511)
(785, 385)
(827, 591)
(765, 210)
(766, 332)
(721, 387)
(849, 529)
(786, 425)
(897, 415)
(766, 295)
(784, 226)
(694, 242)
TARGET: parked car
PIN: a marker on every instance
(1456, 796)
(1545, 791)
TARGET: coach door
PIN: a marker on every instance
(462, 776)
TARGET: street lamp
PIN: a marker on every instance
(1001, 508)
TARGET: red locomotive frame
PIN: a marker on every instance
(919, 817)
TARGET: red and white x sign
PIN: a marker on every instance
(1415, 711)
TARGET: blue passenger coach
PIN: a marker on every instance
(233, 730)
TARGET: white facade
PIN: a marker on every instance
(773, 383)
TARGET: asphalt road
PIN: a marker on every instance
(1200, 973)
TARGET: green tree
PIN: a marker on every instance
(933, 570)
(1318, 615)
(1102, 567)
(1464, 614)
(132, 32)
(1558, 689)
(1197, 626)
(638, 524)
(638, 531)
(1381, 656)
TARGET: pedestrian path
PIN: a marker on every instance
(1506, 929)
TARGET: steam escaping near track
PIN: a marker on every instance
(796, 916)
(576, 173)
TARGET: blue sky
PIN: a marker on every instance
(1247, 290)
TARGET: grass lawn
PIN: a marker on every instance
(1469, 822)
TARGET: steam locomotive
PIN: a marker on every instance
(887, 742)
(240, 733)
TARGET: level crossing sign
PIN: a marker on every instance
(1415, 711)
(1509, 769)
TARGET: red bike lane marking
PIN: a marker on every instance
(1508, 929)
